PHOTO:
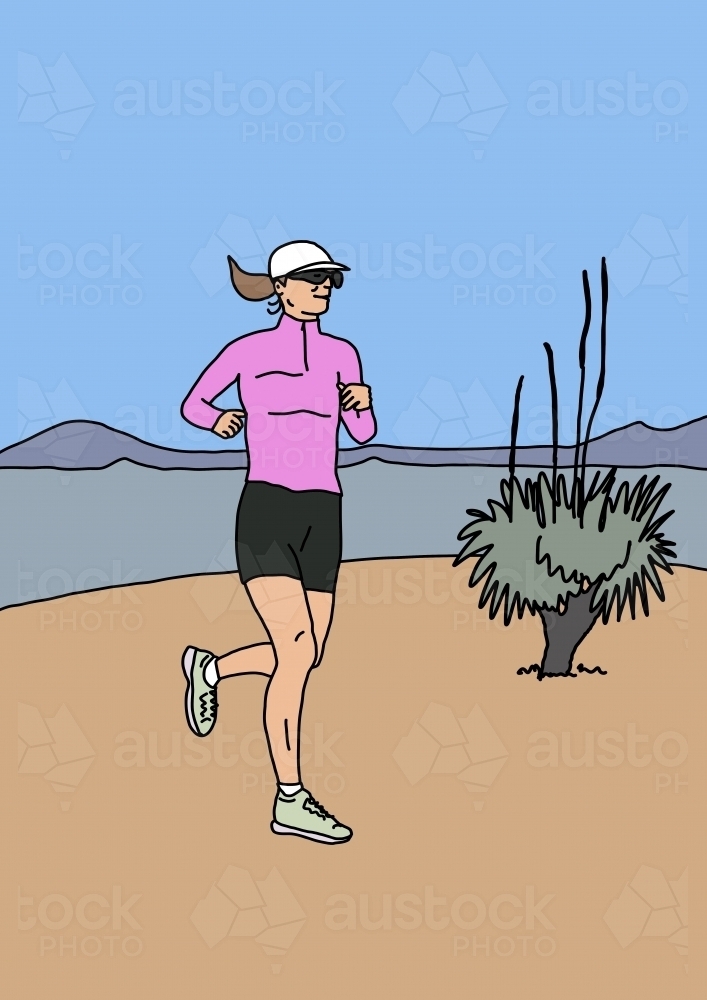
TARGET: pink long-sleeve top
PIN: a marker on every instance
(287, 379)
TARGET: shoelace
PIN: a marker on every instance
(208, 705)
(317, 807)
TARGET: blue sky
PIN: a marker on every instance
(563, 137)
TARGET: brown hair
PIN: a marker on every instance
(253, 287)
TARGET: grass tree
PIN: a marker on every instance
(570, 551)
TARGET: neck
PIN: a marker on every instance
(301, 317)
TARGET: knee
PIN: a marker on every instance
(301, 651)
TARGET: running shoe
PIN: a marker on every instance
(302, 816)
(200, 698)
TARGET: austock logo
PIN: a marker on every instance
(220, 588)
(54, 747)
(237, 237)
(650, 906)
(439, 743)
(93, 911)
(237, 906)
(411, 911)
(651, 255)
(669, 97)
(668, 749)
(440, 417)
(52, 96)
(255, 99)
(39, 409)
(465, 96)
(91, 260)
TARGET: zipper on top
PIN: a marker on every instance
(304, 346)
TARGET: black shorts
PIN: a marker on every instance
(281, 532)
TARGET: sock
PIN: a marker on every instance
(211, 674)
(290, 790)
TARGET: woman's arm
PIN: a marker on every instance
(218, 376)
(358, 418)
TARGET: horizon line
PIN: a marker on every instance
(355, 448)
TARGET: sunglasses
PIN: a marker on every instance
(319, 277)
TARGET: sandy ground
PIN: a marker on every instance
(511, 838)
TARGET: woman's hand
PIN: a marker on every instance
(229, 423)
(354, 396)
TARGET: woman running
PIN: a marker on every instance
(296, 385)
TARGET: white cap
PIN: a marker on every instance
(301, 256)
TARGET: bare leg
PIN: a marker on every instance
(259, 658)
(256, 659)
(282, 605)
(321, 609)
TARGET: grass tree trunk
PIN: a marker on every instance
(564, 632)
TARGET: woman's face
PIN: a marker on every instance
(303, 300)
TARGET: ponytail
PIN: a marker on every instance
(253, 287)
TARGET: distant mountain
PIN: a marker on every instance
(87, 444)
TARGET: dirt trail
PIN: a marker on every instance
(511, 838)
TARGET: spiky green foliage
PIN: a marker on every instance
(534, 557)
